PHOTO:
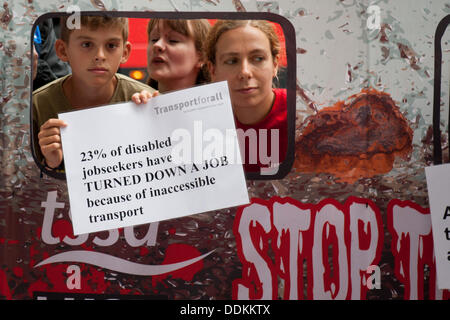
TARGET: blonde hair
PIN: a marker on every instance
(95, 22)
(222, 26)
(196, 29)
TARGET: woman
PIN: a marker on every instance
(175, 55)
(245, 53)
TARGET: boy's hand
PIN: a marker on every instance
(143, 96)
(50, 142)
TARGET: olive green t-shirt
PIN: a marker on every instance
(50, 100)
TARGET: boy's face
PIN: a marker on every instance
(94, 55)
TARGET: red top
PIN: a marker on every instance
(258, 142)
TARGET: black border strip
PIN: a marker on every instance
(289, 35)
(437, 148)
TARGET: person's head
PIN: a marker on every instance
(175, 53)
(35, 63)
(95, 49)
(245, 53)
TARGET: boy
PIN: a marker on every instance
(94, 52)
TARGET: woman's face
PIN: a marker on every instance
(173, 60)
(244, 59)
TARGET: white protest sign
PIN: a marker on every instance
(438, 182)
(128, 164)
